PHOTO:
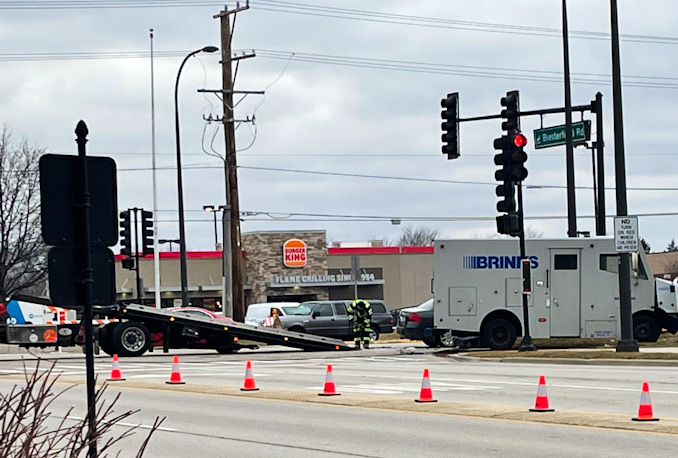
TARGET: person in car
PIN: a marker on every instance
(360, 316)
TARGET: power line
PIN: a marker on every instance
(432, 68)
(337, 13)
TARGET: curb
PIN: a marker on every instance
(569, 361)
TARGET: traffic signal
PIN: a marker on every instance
(450, 115)
(512, 111)
(505, 189)
(125, 233)
(146, 232)
(509, 224)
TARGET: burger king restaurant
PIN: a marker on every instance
(291, 267)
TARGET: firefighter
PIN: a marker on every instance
(360, 316)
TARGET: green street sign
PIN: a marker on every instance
(554, 136)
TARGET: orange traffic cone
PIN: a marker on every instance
(541, 404)
(249, 379)
(645, 408)
(426, 395)
(329, 389)
(116, 375)
(175, 377)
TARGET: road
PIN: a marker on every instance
(604, 389)
(217, 426)
(286, 417)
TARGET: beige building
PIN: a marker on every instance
(290, 266)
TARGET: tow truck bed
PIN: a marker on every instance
(214, 333)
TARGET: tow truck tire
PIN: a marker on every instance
(499, 334)
(645, 329)
(106, 339)
(131, 339)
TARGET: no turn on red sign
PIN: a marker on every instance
(626, 234)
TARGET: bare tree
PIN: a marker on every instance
(29, 428)
(23, 262)
(421, 236)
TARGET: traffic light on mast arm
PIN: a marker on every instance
(511, 112)
(146, 232)
(450, 126)
(125, 233)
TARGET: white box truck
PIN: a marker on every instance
(478, 291)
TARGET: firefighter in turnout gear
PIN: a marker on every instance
(360, 316)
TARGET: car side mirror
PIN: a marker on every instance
(315, 314)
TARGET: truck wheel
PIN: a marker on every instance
(131, 339)
(106, 338)
(645, 329)
(499, 334)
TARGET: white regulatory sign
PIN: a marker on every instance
(626, 234)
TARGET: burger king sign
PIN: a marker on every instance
(294, 253)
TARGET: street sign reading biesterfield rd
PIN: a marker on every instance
(554, 136)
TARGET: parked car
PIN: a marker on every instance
(330, 318)
(257, 313)
(416, 323)
(200, 312)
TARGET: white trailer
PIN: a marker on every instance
(478, 291)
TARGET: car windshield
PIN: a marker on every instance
(428, 305)
(289, 309)
(303, 309)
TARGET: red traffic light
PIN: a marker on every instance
(520, 140)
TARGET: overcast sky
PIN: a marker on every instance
(350, 123)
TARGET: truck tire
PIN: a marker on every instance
(645, 329)
(131, 339)
(106, 339)
(499, 334)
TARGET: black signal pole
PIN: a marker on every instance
(569, 148)
(627, 342)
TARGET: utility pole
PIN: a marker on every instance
(234, 245)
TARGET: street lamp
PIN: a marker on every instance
(182, 230)
(211, 209)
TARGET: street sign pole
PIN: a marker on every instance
(86, 286)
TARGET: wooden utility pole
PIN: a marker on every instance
(230, 164)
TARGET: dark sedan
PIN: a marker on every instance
(416, 323)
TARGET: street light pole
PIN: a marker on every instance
(226, 267)
(180, 186)
(213, 210)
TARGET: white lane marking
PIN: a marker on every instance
(129, 425)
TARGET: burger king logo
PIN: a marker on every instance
(294, 253)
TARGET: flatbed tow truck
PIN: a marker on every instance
(132, 330)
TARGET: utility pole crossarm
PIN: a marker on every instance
(238, 9)
(230, 91)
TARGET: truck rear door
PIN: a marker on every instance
(565, 292)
